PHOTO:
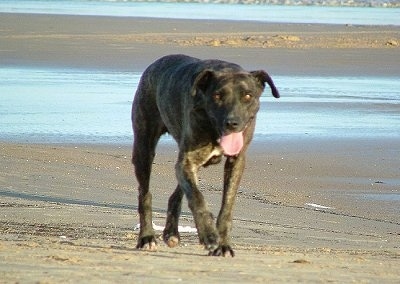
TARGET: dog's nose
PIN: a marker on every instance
(232, 123)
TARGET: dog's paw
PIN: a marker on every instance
(148, 243)
(222, 250)
(172, 240)
(210, 241)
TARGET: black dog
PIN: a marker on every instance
(209, 107)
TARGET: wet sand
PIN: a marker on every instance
(130, 44)
(67, 212)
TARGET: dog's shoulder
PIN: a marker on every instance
(220, 66)
(177, 61)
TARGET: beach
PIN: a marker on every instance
(123, 43)
(308, 209)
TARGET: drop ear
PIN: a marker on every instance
(263, 77)
(203, 80)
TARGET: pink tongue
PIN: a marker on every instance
(232, 143)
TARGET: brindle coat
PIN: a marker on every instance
(197, 102)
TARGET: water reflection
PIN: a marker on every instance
(66, 106)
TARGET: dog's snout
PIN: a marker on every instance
(232, 123)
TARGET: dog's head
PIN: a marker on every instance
(231, 101)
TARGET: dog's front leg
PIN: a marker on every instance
(234, 167)
(186, 172)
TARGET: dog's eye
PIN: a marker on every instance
(217, 96)
(247, 97)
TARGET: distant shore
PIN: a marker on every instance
(346, 3)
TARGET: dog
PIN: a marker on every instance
(209, 107)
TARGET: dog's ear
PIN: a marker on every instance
(202, 81)
(262, 77)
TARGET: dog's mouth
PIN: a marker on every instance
(232, 143)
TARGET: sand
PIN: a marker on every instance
(308, 210)
(130, 44)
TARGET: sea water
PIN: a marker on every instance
(80, 106)
(309, 12)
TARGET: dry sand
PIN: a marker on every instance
(67, 212)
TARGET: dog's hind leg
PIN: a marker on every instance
(171, 233)
(147, 127)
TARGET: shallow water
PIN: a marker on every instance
(264, 13)
(333, 106)
(75, 106)
(65, 105)
(382, 197)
